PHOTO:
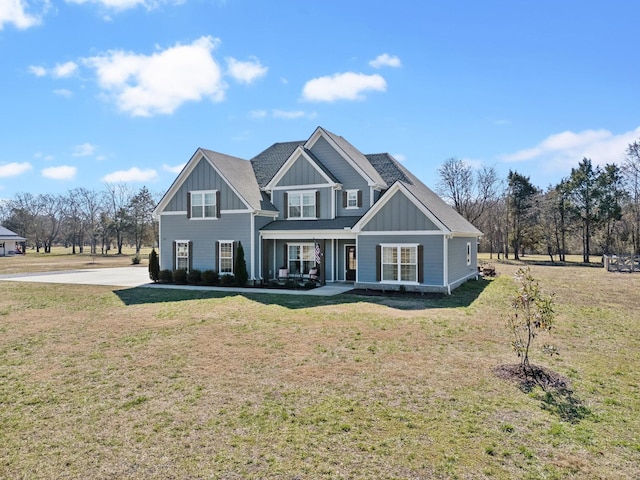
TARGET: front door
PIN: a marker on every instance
(350, 262)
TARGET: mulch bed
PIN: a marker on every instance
(395, 293)
(533, 376)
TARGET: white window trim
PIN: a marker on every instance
(203, 193)
(220, 243)
(187, 242)
(301, 193)
(398, 246)
(349, 192)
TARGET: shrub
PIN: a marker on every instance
(179, 276)
(165, 276)
(227, 280)
(154, 266)
(532, 310)
(194, 277)
(135, 260)
(210, 277)
(241, 273)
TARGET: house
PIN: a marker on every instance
(317, 202)
(10, 242)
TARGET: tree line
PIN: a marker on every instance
(595, 210)
(101, 220)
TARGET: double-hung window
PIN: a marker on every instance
(301, 204)
(352, 199)
(182, 255)
(203, 204)
(225, 256)
(301, 257)
(399, 263)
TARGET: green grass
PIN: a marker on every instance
(153, 383)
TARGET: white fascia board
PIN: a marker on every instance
(304, 187)
(320, 133)
(177, 212)
(308, 234)
(397, 186)
(177, 183)
(186, 171)
(297, 153)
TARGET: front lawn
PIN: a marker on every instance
(158, 383)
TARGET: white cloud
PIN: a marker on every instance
(342, 86)
(144, 85)
(84, 150)
(65, 70)
(14, 169)
(258, 114)
(62, 172)
(37, 70)
(245, 72)
(175, 169)
(134, 174)
(121, 5)
(562, 151)
(290, 115)
(15, 12)
(385, 60)
(63, 92)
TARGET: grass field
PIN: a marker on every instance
(97, 382)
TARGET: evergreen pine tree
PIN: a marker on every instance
(154, 266)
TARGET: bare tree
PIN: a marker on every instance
(117, 198)
(471, 192)
(631, 171)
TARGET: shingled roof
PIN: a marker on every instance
(392, 171)
(240, 174)
(267, 163)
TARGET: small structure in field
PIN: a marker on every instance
(622, 263)
(10, 243)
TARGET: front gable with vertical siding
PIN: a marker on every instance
(398, 211)
(203, 176)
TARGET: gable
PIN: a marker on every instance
(204, 177)
(399, 213)
(302, 172)
(337, 165)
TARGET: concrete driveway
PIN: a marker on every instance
(115, 277)
(139, 277)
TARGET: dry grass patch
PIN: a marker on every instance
(154, 383)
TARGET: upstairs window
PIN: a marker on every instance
(352, 199)
(203, 204)
(302, 205)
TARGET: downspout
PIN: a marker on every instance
(253, 241)
(445, 263)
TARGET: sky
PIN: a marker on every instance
(96, 92)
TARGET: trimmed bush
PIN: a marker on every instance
(154, 266)
(194, 277)
(210, 277)
(179, 276)
(227, 280)
(241, 273)
(165, 276)
(135, 260)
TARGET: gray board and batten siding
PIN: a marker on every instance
(204, 177)
(204, 234)
(399, 214)
(345, 174)
(432, 266)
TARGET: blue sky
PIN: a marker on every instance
(95, 91)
